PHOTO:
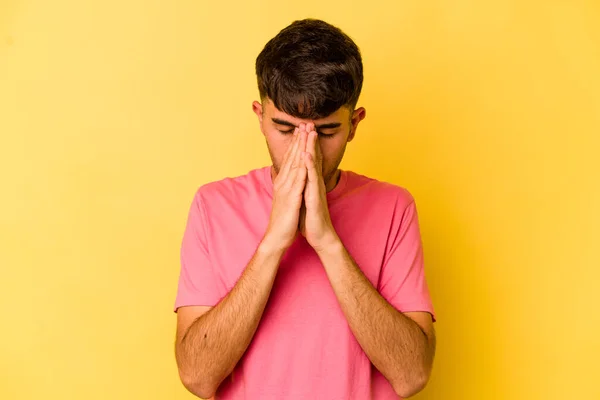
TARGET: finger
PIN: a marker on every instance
(297, 173)
(293, 147)
(302, 147)
(301, 177)
(311, 168)
(311, 145)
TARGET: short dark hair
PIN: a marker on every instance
(310, 69)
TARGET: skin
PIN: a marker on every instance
(306, 156)
(400, 345)
(333, 140)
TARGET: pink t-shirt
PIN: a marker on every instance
(303, 348)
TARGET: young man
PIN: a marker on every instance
(300, 280)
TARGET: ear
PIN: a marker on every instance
(358, 115)
(258, 110)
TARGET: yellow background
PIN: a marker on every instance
(113, 112)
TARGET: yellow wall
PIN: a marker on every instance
(113, 112)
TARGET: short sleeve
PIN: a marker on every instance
(402, 281)
(198, 285)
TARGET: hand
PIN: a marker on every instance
(287, 195)
(315, 221)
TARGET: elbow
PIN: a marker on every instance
(410, 387)
(202, 388)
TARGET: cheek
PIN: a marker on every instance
(330, 150)
(278, 145)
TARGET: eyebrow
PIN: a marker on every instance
(322, 126)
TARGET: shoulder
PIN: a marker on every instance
(378, 190)
(231, 189)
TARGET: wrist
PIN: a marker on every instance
(272, 246)
(330, 245)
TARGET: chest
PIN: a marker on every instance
(235, 238)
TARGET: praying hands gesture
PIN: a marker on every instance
(315, 222)
(300, 196)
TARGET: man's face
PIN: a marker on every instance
(335, 131)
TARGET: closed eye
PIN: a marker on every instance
(285, 132)
(326, 135)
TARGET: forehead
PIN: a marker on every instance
(339, 115)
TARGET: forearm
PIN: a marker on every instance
(395, 344)
(215, 342)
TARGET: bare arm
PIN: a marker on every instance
(208, 347)
(401, 346)
(211, 341)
